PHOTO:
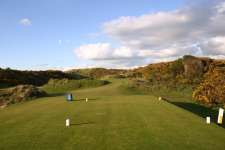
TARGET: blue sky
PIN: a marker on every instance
(47, 34)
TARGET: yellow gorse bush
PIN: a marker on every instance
(212, 89)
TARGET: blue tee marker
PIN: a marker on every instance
(69, 97)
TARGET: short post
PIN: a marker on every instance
(86, 99)
(220, 116)
(160, 98)
(208, 120)
(67, 122)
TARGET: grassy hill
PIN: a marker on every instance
(57, 86)
(115, 117)
(99, 72)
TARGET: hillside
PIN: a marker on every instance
(99, 72)
(61, 86)
(10, 77)
(204, 77)
(211, 90)
(18, 94)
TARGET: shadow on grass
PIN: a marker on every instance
(199, 110)
(74, 100)
(82, 123)
(55, 94)
(84, 99)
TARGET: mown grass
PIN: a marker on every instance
(112, 119)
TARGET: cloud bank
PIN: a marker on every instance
(196, 29)
(25, 22)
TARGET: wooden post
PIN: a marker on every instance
(67, 122)
(220, 116)
(208, 120)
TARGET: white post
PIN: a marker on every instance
(86, 99)
(67, 122)
(220, 116)
(208, 120)
(160, 98)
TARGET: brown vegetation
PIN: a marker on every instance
(205, 75)
(19, 93)
(16, 77)
(99, 72)
(212, 89)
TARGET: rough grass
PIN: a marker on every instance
(180, 95)
(63, 85)
(173, 92)
(112, 119)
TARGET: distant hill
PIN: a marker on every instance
(99, 72)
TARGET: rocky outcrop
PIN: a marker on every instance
(195, 66)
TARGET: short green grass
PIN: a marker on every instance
(112, 119)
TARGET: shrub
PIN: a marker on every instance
(212, 90)
(63, 85)
(38, 78)
(176, 67)
(20, 93)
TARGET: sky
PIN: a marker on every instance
(66, 34)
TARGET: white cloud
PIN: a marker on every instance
(25, 22)
(148, 30)
(197, 29)
(168, 52)
(214, 46)
(220, 7)
(103, 51)
(94, 51)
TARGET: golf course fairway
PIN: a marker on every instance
(112, 119)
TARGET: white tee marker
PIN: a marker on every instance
(208, 120)
(86, 99)
(220, 116)
(67, 122)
